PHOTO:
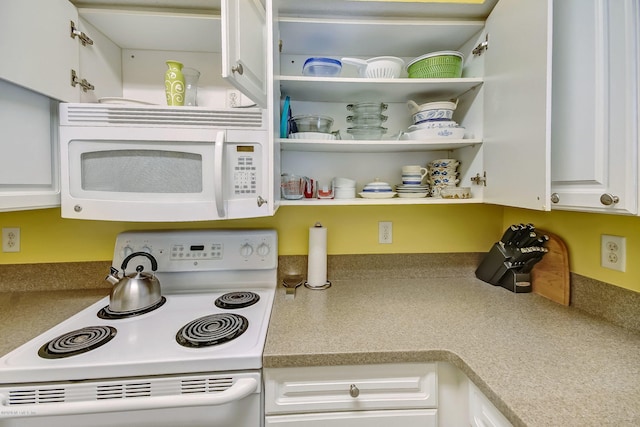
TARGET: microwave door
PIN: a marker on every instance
(218, 172)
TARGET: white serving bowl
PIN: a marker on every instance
(435, 134)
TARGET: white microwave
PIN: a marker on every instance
(156, 163)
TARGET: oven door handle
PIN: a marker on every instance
(218, 159)
(241, 389)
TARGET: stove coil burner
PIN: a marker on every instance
(234, 300)
(107, 313)
(77, 342)
(212, 330)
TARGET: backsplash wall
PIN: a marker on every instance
(47, 238)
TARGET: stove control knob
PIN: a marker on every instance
(145, 249)
(126, 251)
(246, 250)
(263, 250)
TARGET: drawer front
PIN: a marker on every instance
(348, 388)
(404, 418)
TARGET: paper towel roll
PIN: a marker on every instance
(317, 261)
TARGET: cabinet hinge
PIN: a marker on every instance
(479, 50)
(478, 180)
(84, 84)
(84, 39)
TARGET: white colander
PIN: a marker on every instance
(380, 67)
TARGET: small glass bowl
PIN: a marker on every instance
(367, 133)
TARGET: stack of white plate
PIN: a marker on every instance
(409, 191)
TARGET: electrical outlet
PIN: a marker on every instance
(11, 239)
(385, 232)
(613, 252)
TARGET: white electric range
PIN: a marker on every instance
(193, 359)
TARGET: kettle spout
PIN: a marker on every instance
(113, 276)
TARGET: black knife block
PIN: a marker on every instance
(496, 270)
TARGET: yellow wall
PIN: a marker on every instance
(45, 237)
(581, 232)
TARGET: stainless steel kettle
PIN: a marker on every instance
(136, 291)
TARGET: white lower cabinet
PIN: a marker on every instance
(482, 413)
(407, 395)
(366, 395)
(404, 418)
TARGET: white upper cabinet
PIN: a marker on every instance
(595, 106)
(244, 45)
(37, 49)
(504, 94)
(517, 104)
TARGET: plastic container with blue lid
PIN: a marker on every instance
(321, 67)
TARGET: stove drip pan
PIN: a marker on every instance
(234, 300)
(77, 342)
(107, 313)
(212, 330)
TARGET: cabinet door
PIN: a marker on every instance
(36, 47)
(244, 47)
(29, 175)
(595, 105)
(404, 418)
(482, 413)
(517, 100)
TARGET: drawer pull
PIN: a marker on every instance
(354, 391)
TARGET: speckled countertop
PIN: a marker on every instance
(540, 363)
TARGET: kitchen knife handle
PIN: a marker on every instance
(509, 234)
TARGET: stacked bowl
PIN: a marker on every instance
(344, 188)
(442, 173)
(367, 120)
(433, 120)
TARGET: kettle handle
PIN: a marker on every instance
(154, 263)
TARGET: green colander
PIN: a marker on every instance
(438, 65)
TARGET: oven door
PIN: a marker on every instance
(142, 173)
(232, 400)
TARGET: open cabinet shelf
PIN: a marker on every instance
(363, 146)
(340, 89)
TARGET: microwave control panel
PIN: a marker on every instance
(245, 168)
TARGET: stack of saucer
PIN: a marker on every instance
(442, 173)
(412, 191)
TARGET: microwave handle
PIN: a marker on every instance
(218, 172)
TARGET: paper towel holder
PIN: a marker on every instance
(318, 288)
(327, 284)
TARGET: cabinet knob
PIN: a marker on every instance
(354, 391)
(609, 199)
(237, 69)
(555, 198)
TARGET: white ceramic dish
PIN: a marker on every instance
(378, 194)
(434, 134)
(311, 135)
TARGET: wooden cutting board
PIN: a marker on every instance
(550, 276)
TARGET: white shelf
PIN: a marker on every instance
(362, 146)
(363, 202)
(369, 37)
(338, 89)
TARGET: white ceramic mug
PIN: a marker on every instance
(413, 174)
